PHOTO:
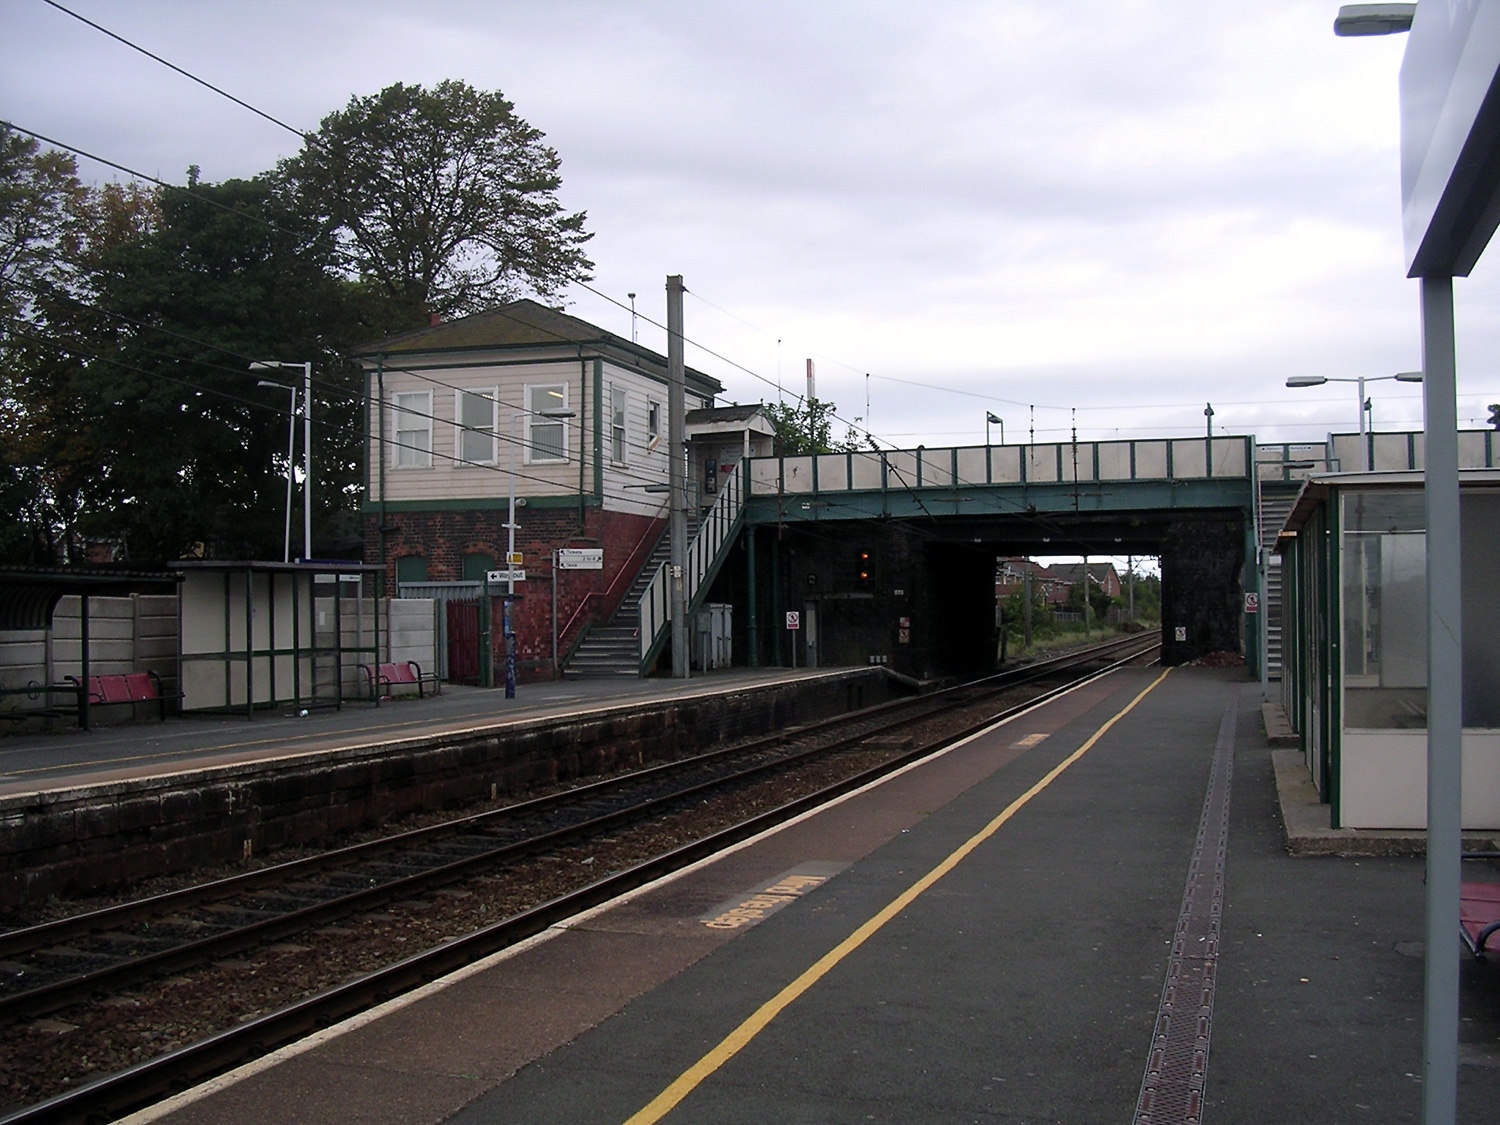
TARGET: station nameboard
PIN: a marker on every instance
(1450, 136)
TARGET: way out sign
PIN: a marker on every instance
(793, 619)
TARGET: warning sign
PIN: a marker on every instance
(793, 619)
(1252, 602)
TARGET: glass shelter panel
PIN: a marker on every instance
(1384, 613)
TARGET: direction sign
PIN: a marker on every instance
(580, 558)
(500, 577)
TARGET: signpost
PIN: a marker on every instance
(587, 558)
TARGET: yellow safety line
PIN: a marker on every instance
(741, 1036)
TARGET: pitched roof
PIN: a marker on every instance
(734, 413)
(522, 324)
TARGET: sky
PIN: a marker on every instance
(1106, 215)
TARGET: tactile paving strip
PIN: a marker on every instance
(1172, 1090)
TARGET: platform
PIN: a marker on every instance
(68, 756)
(1023, 985)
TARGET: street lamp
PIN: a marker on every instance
(1361, 380)
(291, 445)
(510, 543)
(307, 476)
(990, 419)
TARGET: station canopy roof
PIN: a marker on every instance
(28, 595)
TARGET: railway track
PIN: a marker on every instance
(99, 961)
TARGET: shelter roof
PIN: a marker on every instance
(28, 595)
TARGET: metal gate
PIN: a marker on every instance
(463, 640)
(443, 592)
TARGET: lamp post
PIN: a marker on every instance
(1361, 380)
(510, 544)
(291, 444)
(990, 418)
(307, 475)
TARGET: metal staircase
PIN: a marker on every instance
(612, 649)
(1276, 500)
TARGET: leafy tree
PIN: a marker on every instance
(42, 209)
(189, 449)
(1099, 601)
(806, 426)
(39, 195)
(443, 198)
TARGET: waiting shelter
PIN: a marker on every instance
(1354, 559)
(267, 634)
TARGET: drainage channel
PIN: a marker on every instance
(1177, 1069)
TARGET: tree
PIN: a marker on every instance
(188, 449)
(806, 427)
(44, 464)
(444, 198)
(39, 195)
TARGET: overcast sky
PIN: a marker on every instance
(1127, 209)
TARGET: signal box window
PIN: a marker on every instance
(546, 438)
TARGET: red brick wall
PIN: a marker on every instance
(444, 538)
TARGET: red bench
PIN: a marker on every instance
(387, 676)
(131, 688)
(1479, 915)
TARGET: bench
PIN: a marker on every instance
(387, 676)
(128, 687)
(35, 693)
(1479, 916)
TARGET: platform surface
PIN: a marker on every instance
(1021, 986)
(67, 756)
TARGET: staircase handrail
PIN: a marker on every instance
(703, 556)
(629, 569)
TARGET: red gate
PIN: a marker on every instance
(463, 640)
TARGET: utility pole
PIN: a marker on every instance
(677, 477)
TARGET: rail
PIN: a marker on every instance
(1163, 459)
(705, 554)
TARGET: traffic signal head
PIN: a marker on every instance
(863, 569)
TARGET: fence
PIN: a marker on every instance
(126, 634)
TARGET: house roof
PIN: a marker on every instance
(734, 413)
(524, 324)
(1073, 572)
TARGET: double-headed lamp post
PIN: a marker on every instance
(510, 542)
(291, 451)
(1361, 380)
(991, 418)
(307, 476)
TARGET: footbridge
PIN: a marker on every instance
(889, 556)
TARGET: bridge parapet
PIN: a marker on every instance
(1161, 459)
